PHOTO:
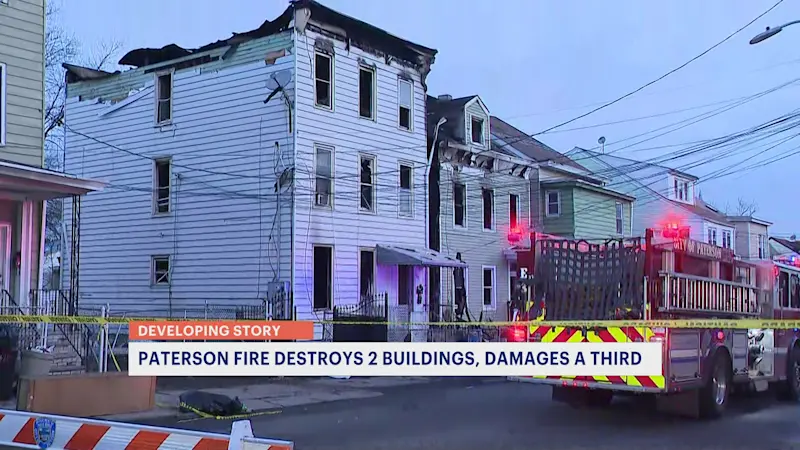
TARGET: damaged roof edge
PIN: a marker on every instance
(387, 42)
(75, 73)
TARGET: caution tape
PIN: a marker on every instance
(204, 415)
(678, 323)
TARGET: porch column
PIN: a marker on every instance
(28, 240)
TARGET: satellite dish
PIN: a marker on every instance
(277, 82)
(279, 79)
(602, 140)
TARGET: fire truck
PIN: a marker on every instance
(666, 275)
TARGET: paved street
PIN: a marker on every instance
(466, 414)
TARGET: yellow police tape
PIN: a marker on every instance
(203, 415)
(678, 323)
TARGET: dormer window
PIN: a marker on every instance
(477, 130)
(682, 190)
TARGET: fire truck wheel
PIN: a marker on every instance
(714, 395)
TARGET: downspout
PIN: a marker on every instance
(293, 208)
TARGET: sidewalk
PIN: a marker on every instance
(265, 394)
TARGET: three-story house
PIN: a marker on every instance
(291, 158)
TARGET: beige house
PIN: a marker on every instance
(751, 237)
(24, 184)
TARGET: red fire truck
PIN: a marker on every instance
(664, 276)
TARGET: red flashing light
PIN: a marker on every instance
(514, 234)
(719, 335)
(776, 271)
(516, 334)
(674, 231)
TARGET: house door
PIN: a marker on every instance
(405, 285)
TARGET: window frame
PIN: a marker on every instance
(331, 265)
(762, 250)
(158, 100)
(619, 218)
(153, 272)
(729, 234)
(472, 119)
(492, 217)
(332, 150)
(711, 232)
(400, 81)
(515, 215)
(331, 65)
(400, 189)
(547, 212)
(374, 92)
(373, 184)
(464, 206)
(157, 188)
(3, 102)
(361, 251)
(493, 305)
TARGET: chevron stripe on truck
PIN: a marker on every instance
(609, 334)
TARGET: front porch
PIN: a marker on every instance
(23, 193)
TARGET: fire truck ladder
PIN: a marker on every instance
(690, 294)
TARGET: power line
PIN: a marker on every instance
(618, 99)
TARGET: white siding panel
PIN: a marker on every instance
(345, 227)
(226, 225)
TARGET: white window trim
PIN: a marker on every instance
(729, 233)
(483, 212)
(683, 184)
(411, 105)
(493, 306)
(374, 175)
(331, 65)
(411, 189)
(157, 91)
(374, 87)
(466, 206)
(762, 246)
(153, 281)
(155, 186)
(519, 215)
(482, 143)
(332, 150)
(712, 231)
(619, 207)
(333, 275)
(3, 102)
(547, 203)
(374, 268)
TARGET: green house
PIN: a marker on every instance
(581, 210)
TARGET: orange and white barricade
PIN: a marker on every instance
(19, 429)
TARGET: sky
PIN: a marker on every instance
(537, 63)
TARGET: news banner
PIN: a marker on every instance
(259, 348)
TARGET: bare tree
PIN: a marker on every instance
(745, 207)
(61, 47)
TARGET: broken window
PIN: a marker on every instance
(405, 191)
(324, 176)
(323, 80)
(405, 99)
(553, 203)
(367, 274)
(161, 193)
(367, 182)
(164, 97)
(160, 270)
(366, 92)
(323, 277)
(487, 195)
(477, 130)
(459, 204)
(513, 210)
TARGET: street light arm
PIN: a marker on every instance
(771, 32)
